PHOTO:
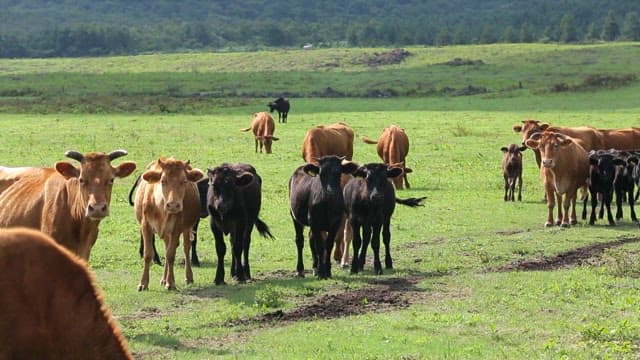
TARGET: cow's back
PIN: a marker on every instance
(588, 137)
(299, 191)
(335, 139)
(621, 139)
(22, 202)
(49, 306)
(393, 145)
(263, 124)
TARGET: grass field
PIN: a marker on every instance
(459, 287)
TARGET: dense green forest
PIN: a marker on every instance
(60, 28)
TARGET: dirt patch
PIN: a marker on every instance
(462, 62)
(395, 56)
(567, 259)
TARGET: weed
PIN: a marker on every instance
(621, 263)
(270, 297)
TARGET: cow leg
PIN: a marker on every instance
(221, 250)
(246, 269)
(327, 248)
(631, 207)
(169, 280)
(619, 201)
(607, 199)
(156, 258)
(406, 181)
(519, 188)
(560, 207)
(346, 240)
(147, 235)
(594, 205)
(188, 272)
(237, 238)
(299, 245)
(375, 246)
(386, 239)
(195, 261)
(551, 203)
(256, 144)
(318, 246)
(567, 203)
(506, 188)
(366, 238)
(357, 243)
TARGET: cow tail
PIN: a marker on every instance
(263, 229)
(135, 184)
(366, 140)
(245, 129)
(411, 202)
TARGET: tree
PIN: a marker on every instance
(567, 30)
(526, 33)
(592, 33)
(631, 26)
(509, 35)
(442, 37)
(610, 30)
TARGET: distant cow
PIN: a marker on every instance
(565, 169)
(512, 171)
(263, 128)
(50, 307)
(393, 147)
(316, 201)
(167, 204)
(282, 106)
(234, 199)
(370, 201)
(65, 202)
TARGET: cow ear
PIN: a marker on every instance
(244, 179)
(544, 127)
(522, 148)
(311, 169)
(125, 169)
(504, 149)
(275, 138)
(517, 128)
(349, 167)
(633, 160)
(195, 175)
(360, 172)
(407, 170)
(151, 176)
(394, 172)
(619, 162)
(533, 144)
(67, 170)
(565, 142)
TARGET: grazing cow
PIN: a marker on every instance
(167, 204)
(65, 202)
(370, 201)
(512, 171)
(50, 307)
(282, 106)
(263, 128)
(234, 199)
(601, 177)
(565, 168)
(335, 139)
(393, 147)
(316, 201)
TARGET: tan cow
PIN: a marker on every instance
(167, 203)
(263, 127)
(393, 147)
(565, 169)
(65, 202)
(50, 307)
(334, 139)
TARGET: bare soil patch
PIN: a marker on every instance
(567, 259)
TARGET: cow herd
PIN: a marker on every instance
(601, 163)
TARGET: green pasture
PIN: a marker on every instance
(459, 304)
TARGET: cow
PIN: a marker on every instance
(602, 172)
(64, 202)
(565, 169)
(624, 183)
(203, 186)
(512, 171)
(335, 139)
(393, 147)
(50, 306)
(370, 201)
(316, 200)
(263, 127)
(282, 105)
(234, 199)
(167, 203)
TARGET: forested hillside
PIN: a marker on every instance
(41, 28)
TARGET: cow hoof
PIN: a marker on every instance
(220, 282)
(143, 287)
(565, 225)
(549, 224)
(300, 274)
(188, 282)
(573, 221)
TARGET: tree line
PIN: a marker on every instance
(98, 39)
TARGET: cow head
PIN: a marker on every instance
(512, 154)
(549, 144)
(173, 176)
(376, 179)
(329, 170)
(224, 180)
(602, 166)
(529, 127)
(94, 178)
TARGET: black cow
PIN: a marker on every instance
(195, 260)
(624, 183)
(234, 200)
(370, 201)
(512, 171)
(316, 201)
(282, 106)
(602, 172)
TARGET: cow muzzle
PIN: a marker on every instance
(173, 207)
(97, 211)
(548, 163)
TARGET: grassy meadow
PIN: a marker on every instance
(457, 289)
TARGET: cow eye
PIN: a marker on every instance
(110, 182)
(82, 181)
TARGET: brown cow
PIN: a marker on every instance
(512, 171)
(263, 127)
(50, 307)
(334, 139)
(65, 202)
(393, 147)
(565, 168)
(167, 203)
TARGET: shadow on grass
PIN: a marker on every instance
(171, 344)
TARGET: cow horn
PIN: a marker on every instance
(535, 136)
(117, 153)
(74, 155)
(559, 135)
